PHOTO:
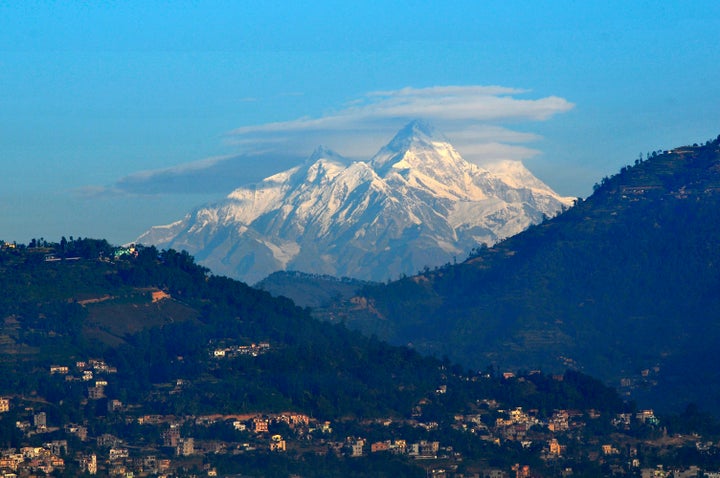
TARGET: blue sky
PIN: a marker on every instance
(116, 116)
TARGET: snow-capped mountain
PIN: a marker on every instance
(416, 203)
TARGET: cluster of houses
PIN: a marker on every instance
(94, 372)
(256, 432)
(114, 456)
(182, 441)
(520, 425)
(421, 449)
(45, 459)
(237, 350)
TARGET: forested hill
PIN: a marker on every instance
(625, 286)
(161, 321)
(60, 306)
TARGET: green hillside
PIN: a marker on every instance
(158, 318)
(59, 310)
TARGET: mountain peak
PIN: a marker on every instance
(418, 127)
(323, 152)
(418, 136)
(415, 131)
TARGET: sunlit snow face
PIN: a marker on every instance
(417, 202)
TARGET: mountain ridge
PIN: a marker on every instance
(416, 203)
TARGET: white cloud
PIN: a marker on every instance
(493, 151)
(473, 103)
(470, 116)
(474, 118)
(219, 175)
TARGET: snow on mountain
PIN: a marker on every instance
(416, 203)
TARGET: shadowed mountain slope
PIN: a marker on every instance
(624, 285)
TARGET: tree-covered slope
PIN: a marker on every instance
(101, 346)
(157, 319)
(57, 309)
(625, 285)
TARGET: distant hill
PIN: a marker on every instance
(310, 290)
(625, 286)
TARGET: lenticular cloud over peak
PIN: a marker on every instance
(475, 118)
(459, 110)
